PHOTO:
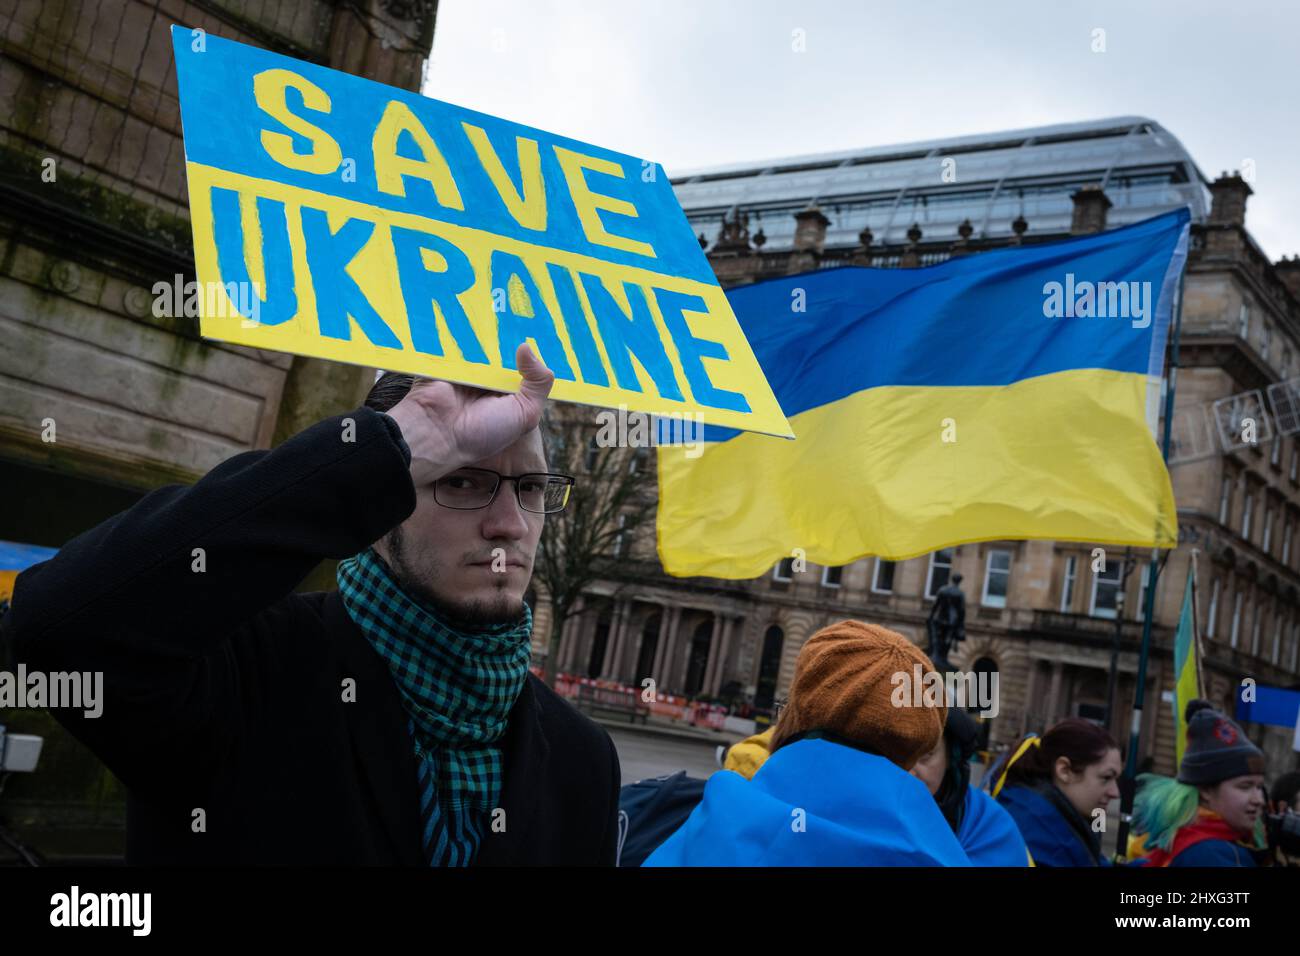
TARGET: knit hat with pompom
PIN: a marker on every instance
(1217, 748)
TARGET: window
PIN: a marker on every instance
(1254, 631)
(1275, 457)
(593, 454)
(1277, 638)
(1105, 590)
(1295, 461)
(1212, 616)
(1268, 525)
(1245, 514)
(1225, 500)
(831, 577)
(1236, 619)
(1067, 589)
(884, 578)
(940, 571)
(997, 575)
(783, 569)
(1243, 321)
(618, 541)
(1286, 539)
(1295, 644)
(1265, 340)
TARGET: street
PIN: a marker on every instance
(642, 755)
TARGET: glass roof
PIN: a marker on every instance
(990, 179)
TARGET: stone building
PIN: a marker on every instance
(1038, 613)
(101, 399)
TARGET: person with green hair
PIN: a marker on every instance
(1212, 814)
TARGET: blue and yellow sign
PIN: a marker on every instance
(340, 218)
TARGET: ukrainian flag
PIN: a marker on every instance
(1011, 394)
(1186, 674)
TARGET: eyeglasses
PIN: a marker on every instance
(468, 489)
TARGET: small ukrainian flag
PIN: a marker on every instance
(1008, 395)
(1186, 667)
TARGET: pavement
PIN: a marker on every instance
(670, 728)
(645, 755)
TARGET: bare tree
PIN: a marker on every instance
(614, 495)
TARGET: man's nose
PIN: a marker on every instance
(504, 518)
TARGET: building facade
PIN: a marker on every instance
(102, 398)
(1058, 622)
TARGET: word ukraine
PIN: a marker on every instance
(385, 228)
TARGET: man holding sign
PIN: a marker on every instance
(391, 721)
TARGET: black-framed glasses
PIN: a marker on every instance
(468, 489)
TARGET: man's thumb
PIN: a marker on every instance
(537, 378)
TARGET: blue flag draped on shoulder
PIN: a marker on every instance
(1008, 395)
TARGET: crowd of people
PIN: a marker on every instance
(397, 712)
(846, 777)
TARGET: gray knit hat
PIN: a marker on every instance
(1217, 748)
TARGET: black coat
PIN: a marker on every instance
(225, 692)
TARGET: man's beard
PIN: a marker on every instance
(466, 614)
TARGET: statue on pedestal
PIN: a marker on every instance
(946, 624)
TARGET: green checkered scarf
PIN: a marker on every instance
(457, 687)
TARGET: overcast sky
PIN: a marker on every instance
(696, 83)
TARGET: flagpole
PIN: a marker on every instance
(1196, 627)
(1128, 791)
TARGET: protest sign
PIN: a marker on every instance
(340, 218)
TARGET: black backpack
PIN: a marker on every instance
(650, 811)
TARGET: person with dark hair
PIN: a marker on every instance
(391, 721)
(835, 790)
(1212, 813)
(1285, 799)
(1054, 786)
(985, 831)
(1286, 791)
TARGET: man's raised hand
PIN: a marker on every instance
(448, 426)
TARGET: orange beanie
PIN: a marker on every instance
(844, 683)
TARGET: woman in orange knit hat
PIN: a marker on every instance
(836, 790)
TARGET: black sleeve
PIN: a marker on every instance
(152, 597)
(612, 844)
